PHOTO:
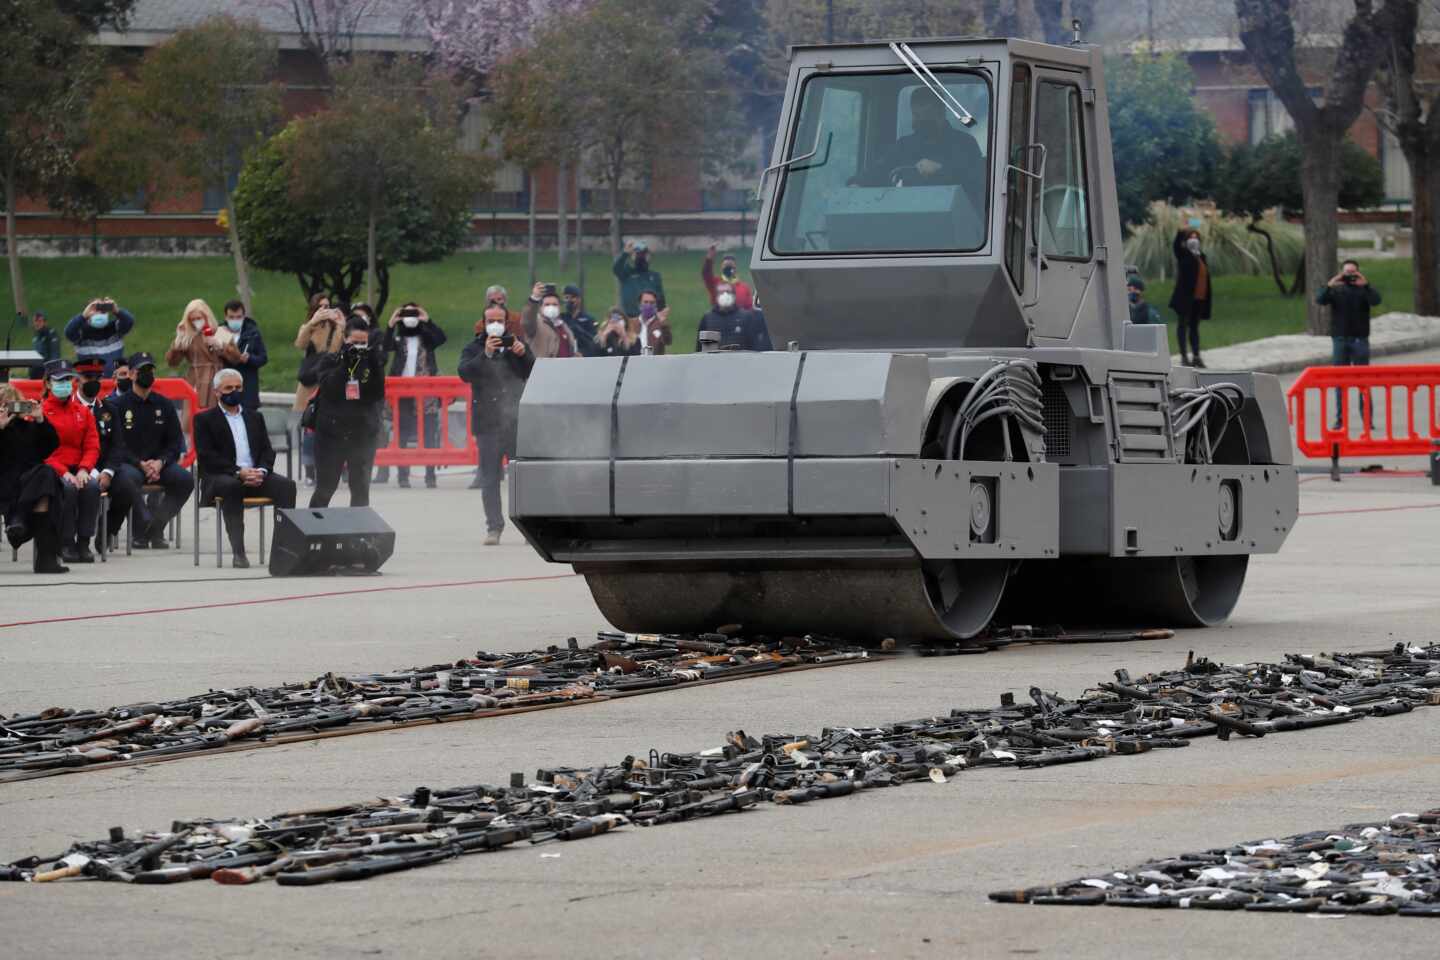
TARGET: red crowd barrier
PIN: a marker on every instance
(172, 388)
(1401, 403)
(446, 452)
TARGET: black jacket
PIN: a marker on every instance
(104, 412)
(431, 337)
(336, 416)
(495, 386)
(24, 445)
(215, 444)
(249, 342)
(1187, 272)
(582, 328)
(145, 429)
(739, 329)
(1349, 308)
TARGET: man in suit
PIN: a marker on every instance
(235, 457)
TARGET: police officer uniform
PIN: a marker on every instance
(146, 427)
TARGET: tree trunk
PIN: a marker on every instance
(615, 224)
(12, 249)
(530, 222)
(370, 259)
(562, 220)
(242, 269)
(383, 275)
(1320, 185)
(579, 223)
(1424, 232)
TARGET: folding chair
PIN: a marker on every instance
(251, 503)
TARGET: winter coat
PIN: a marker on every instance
(1187, 274)
(336, 416)
(78, 442)
(495, 386)
(107, 342)
(24, 446)
(248, 343)
(316, 336)
(1349, 306)
(200, 353)
(431, 338)
(738, 329)
(634, 281)
(744, 296)
(547, 339)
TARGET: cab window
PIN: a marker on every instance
(1063, 208)
(894, 170)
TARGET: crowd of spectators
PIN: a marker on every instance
(78, 446)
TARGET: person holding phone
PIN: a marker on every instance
(496, 364)
(99, 331)
(1194, 293)
(1349, 295)
(411, 341)
(544, 324)
(28, 487)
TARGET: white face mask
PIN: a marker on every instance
(550, 311)
(1193, 245)
(411, 322)
(495, 328)
(726, 300)
(198, 324)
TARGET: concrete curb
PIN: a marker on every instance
(1390, 334)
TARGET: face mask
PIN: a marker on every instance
(61, 389)
(725, 300)
(728, 272)
(98, 320)
(1193, 246)
(198, 324)
(122, 384)
(145, 379)
(647, 310)
(235, 325)
(90, 389)
(641, 261)
(231, 399)
(495, 328)
(550, 311)
(411, 322)
(1134, 297)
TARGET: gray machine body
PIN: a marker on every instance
(809, 485)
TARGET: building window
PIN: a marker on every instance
(135, 203)
(213, 200)
(1268, 116)
(511, 191)
(1396, 167)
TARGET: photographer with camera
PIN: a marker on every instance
(544, 324)
(349, 396)
(496, 364)
(28, 487)
(99, 331)
(1349, 296)
(411, 341)
(618, 337)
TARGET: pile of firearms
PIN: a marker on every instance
(57, 740)
(1128, 716)
(1364, 868)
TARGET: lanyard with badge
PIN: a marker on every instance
(352, 386)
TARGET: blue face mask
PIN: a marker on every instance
(61, 389)
(235, 325)
(98, 320)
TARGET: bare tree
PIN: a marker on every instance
(1412, 115)
(1268, 31)
(327, 28)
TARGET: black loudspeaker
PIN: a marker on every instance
(311, 540)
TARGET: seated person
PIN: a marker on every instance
(147, 447)
(935, 154)
(28, 486)
(233, 450)
(73, 461)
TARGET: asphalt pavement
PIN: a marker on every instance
(900, 872)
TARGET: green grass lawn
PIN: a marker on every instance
(156, 289)
(1248, 308)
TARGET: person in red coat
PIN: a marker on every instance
(73, 460)
(729, 273)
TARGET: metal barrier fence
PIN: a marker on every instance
(171, 388)
(1396, 412)
(444, 450)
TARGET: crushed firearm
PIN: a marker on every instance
(1124, 717)
(1363, 868)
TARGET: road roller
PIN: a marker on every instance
(959, 422)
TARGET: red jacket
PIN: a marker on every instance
(744, 296)
(79, 440)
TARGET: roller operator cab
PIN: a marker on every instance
(965, 421)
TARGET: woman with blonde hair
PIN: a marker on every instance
(323, 332)
(203, 346)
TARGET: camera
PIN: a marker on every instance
(550, 289)
(409, 311)
(506, 341)
(105, 306)
(1348, 278)
(22, 408)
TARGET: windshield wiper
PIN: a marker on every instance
(922, 73)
